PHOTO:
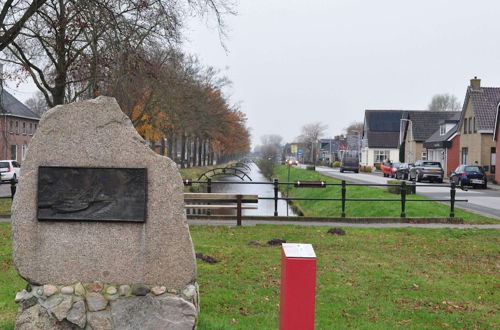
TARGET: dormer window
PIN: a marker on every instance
(442, 129)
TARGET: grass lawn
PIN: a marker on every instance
(5, 204)
(369, 278)
(363, 209)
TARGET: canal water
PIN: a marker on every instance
(265, 207)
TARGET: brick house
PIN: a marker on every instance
(477, 125)
(496, 137)
(417, 127)
(17, 126)
(444, 144)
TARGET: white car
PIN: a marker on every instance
(9, 170)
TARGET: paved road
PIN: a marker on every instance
(485, 202)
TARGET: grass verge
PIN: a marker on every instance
(363, 209)
(369, 278)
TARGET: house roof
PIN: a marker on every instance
(12, 106)
(437, 137)
(484, 101)
(381, 128)
(425, 123)
(383, 139)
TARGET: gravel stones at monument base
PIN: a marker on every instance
(80, 270)
(157, 309)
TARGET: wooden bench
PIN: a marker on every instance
(224, 201)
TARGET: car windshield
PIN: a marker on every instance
(396, 165)
(4, 164)
(432, 164)
(473, 169)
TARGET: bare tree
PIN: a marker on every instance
(13, 16)
(69, 46)
(311, 133)
(355, 126)
(445, 102)
(37, 103)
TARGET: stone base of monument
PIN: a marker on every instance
(99, 306)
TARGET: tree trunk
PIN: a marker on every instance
(183, 150)
(204, 163)
(170, 145)
(61, 68)
(162, 144)
(195, 149)
(200, 151)
(188, 153)
(174, 141)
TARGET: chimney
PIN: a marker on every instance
(475, 83)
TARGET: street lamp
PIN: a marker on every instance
(401, 135)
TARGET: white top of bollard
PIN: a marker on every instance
(297, 250)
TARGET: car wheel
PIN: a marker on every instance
(440, 180)
(357, 171)
(341, 171)
(461, 184)
(14, 179)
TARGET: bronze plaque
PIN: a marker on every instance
(92, 194)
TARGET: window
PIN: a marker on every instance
(474, 125)
(13, 152)
(424, 155)
(470, 125)
(465, 151)
(379, 156)
(34, 129)
(493, 160)
(24, 128)
(465, 125)
(24, 149)
(31, 128)
(11, 126)
(17, 127)
(442, 129)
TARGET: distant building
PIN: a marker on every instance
(444, 144)
(418, 126)
(477, 126)
(17, 126)
(381, 136)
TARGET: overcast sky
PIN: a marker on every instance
(294, 62)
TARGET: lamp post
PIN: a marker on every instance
(289, 164)
(401, 133)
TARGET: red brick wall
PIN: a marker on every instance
(497, 169)
(453, 154)
(16, 137)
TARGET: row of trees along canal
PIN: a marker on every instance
(130, 50)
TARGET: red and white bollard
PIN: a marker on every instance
(298, 286)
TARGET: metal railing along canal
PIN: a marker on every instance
(343, 199)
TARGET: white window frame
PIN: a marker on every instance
(24, 149)
(383, 154)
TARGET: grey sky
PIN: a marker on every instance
(294, 62)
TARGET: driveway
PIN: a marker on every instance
(485, 202)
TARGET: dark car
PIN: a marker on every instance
(426, 170)
(469, 175)
(403, 170)
(350, 161)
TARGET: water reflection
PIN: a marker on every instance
(266, 207)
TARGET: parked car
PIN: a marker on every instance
(9, 170)
(386, 168)
(426, 170)
(469, 175)
(350, 161)
(403, 170)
